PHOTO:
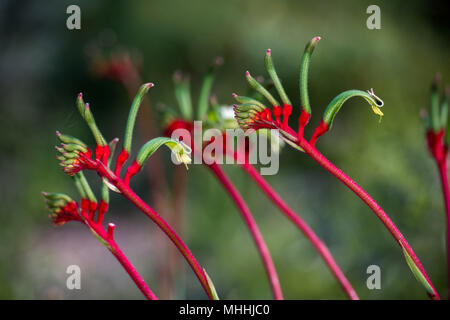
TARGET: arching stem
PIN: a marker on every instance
(367, 199)
(254, 230)
(304, 228)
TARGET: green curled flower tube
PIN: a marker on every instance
(336, 104)
(132, 115)
(179, 149)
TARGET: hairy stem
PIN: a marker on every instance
(254, 230)
(128, 193)
(131, 270)
(123, 260)
(367, 199)
(304, 228)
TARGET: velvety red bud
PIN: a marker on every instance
(106, 154)
(102, 208)
(92, 208)
(277, 114)
(287, 110)
(84, 207)
(302, 122)
(121, 159)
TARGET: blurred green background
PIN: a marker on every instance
(43, 66)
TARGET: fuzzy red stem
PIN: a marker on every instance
(123, 260)
(254, 230)
(132, 271)
(128, 193)
(367, 199)
(446, 193)
(304, 228)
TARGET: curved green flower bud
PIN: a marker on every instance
(245, 107)
(56, 201)
(183, 94)
(276, 81)
(65, 138)
(258, 87)
(53, 196)
(304, 68)
(132, 115)
(62, 208)
(69, 155)
(336, 104)
(80, 104)
(205, 90)
(179, 149)
(87, 115)
(73, 148)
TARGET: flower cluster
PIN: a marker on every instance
(251, 113)
(62, 208)
(75, 157)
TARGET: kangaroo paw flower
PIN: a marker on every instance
(62, 208)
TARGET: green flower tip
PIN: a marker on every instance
(312, 44)
(80, 104)
(149, 85)
(114, 142)
(54, 196)
(64, 138)
(180, 150)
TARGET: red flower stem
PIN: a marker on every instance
(254, 230)
(128, 193)
(123, 260)
(304, 228)
(364, 196)
(131, 270)
(446, 193)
